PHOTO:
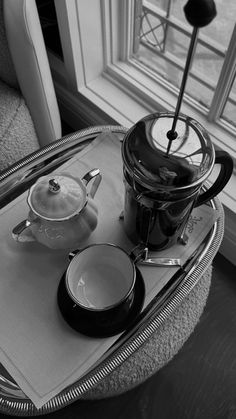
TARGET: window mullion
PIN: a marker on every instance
(137, 24)
(127, 17)
(225, 80)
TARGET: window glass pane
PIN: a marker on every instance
(163, 4)
(229, 112)
(164, 45)
(220, 29)
(206, 67)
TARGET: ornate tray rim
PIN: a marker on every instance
(12, 401)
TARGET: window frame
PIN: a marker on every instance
(101, 67)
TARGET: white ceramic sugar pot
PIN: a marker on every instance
(62, 212)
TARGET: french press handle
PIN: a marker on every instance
(225, 160)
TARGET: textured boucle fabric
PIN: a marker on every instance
(17, 134)
(7, 71)
(160, 348)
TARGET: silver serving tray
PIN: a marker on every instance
(18, 178)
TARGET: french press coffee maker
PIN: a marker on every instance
(167, 158)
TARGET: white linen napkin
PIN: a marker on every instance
(37, 347)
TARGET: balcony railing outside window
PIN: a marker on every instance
(162, 37)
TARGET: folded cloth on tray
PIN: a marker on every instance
(41, 352)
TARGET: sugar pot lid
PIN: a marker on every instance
(57, 196)
(188, 162)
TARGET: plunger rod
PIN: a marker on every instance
(198, 13)
(172, 134)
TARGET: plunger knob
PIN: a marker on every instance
(200, 13)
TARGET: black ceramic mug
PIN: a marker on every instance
(102, 291)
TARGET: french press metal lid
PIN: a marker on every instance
(189, 161)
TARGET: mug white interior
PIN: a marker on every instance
(100, 276)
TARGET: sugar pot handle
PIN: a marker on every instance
(18, 232)
(94, 173)
(226, 170)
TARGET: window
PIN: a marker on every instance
(114, 59)
(161, 44)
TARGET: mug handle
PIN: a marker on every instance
(73, 253)
(226, 170)
(19, 236)
(95, 173)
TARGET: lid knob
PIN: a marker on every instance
(54, 186)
